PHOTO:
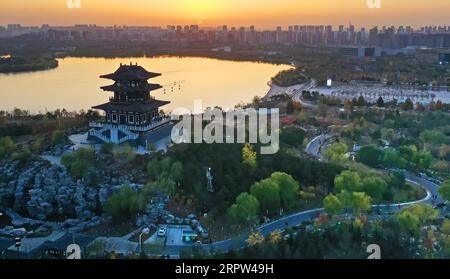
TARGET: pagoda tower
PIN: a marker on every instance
(132, 115)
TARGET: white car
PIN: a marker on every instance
(162, 232)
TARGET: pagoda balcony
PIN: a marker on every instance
(131, 127)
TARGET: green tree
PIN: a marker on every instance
(124, 153)
(336, 152)
(380, 102)
(166, 183)
(369, 155)
(245, 209)
(408, 222)
(288, 189)
(81, 163)
(360, 202)
(292, 136)
(57, 137)
(23, 156)
(249, 156)
(361, 101)
(126, 203)
(375, 187)
(267, 193)
(176, 171)
(407, 105)
(391, 158)
(349, 181)
(424, 212)
(6, 146)
(422, 160)
(153, 169)
(332, 204)
(444, 190)
(434, 137)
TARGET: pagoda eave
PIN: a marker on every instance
(132, 107)
(130, 77)
(146, 88)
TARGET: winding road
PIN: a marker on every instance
(313, 149)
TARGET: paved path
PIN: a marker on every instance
(309, 215)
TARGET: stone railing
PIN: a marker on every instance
(133, 128)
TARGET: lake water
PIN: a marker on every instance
(75, 84)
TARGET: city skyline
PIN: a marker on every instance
(209, 13)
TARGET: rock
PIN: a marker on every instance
(103, 195)
(19, 222)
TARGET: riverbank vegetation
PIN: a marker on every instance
(17, 64)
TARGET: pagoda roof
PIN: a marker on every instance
(126, 88)
(132, 106)
(131, 72)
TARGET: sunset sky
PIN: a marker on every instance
(262, 13)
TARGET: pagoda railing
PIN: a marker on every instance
(130, 127)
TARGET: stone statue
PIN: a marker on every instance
(210, 178)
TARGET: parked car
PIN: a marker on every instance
(162, 232)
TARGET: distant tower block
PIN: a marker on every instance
(209, 177)
(132, 115)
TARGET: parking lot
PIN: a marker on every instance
(174, 236)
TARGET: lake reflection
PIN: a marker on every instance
(75, 84)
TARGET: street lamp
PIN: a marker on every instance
(144, 231)
(18, 244)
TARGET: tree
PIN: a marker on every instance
(255, 239)
(57, 137)
(361, 101)
(176, 171)
(336, 152)
(375, 187)
(332, 204)
(434, 137)
(408, 221)
(391, 158)
(288, 189)
(81, 163)
(424, 212)
(267, 193)
(275, 236)
(292, 136)
(249, 156)
(166, 183)
(245, 209)
(23, 156)
(380, 102)
(369, 155)
(349, 181)
(125, 154)
(6, 146)
(444, 190)
(126, 203)
(407, 105)
(389, 134)
(153, 169)
(422, 159)
(360, 202)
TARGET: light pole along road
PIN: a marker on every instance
(313, 149)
